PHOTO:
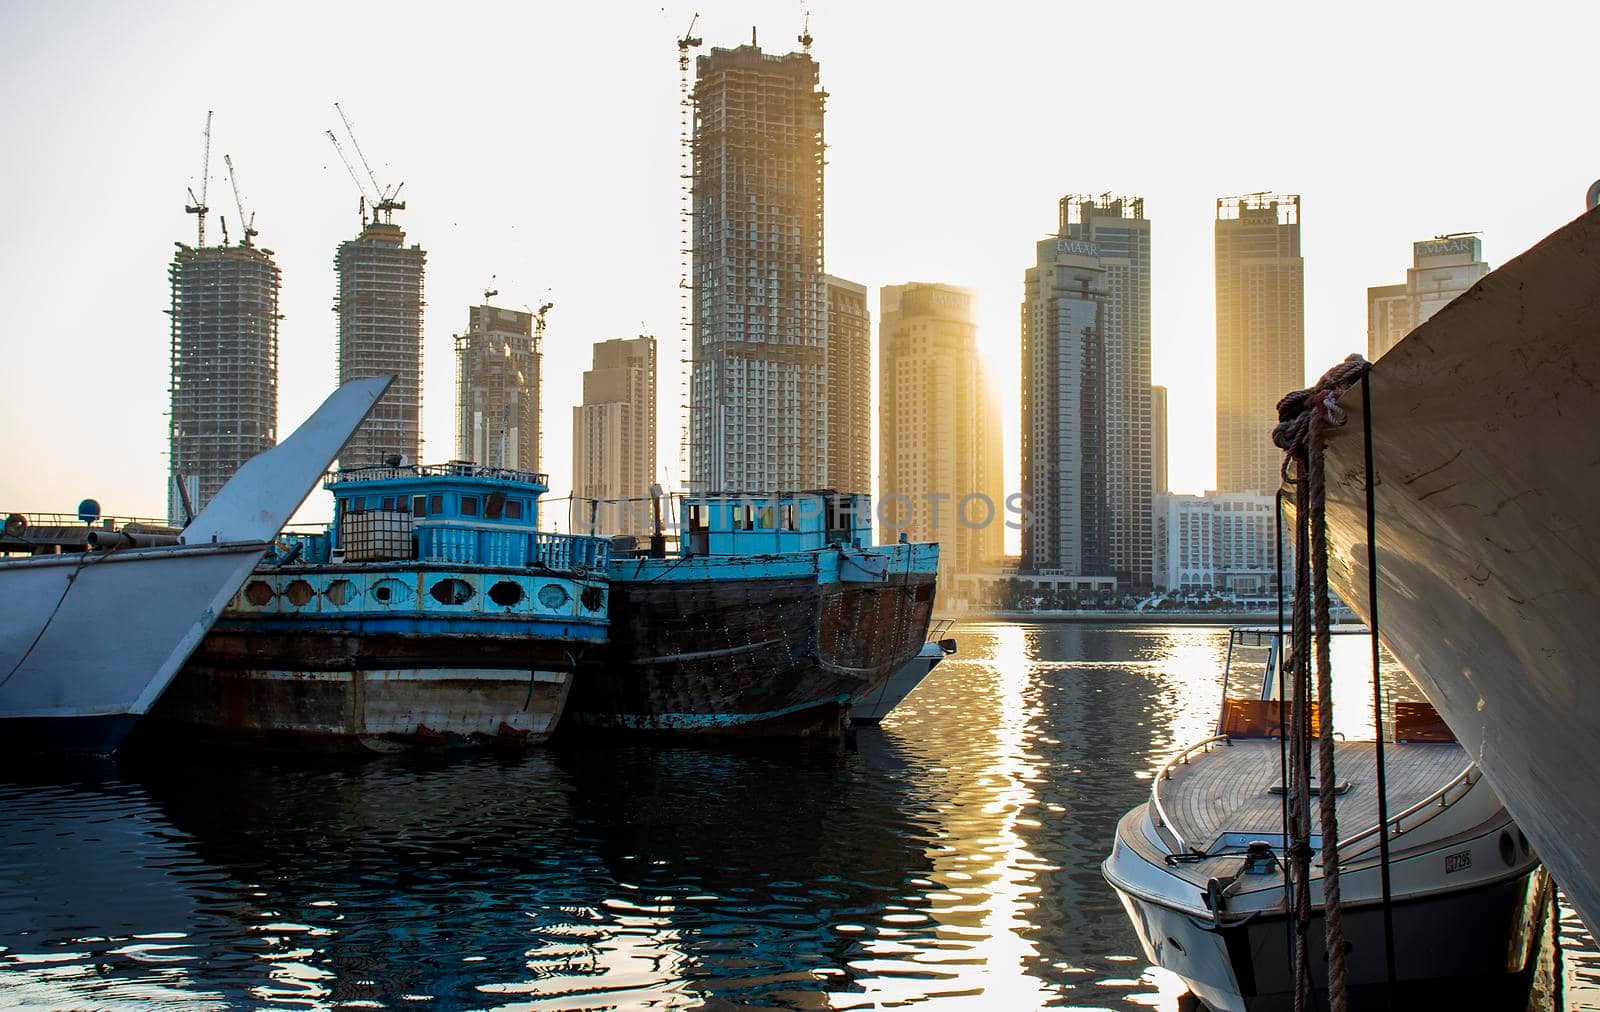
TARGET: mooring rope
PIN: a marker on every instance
(1303, 417)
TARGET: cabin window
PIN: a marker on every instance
(419, 505)
(388, 502)
(494, 504)
(749, 523)
(697, 518)
(513, 509)
(469, 505)
(788, 517)
(435, 505)
(768, 519)
(353, 504)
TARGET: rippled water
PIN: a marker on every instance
(950, 857)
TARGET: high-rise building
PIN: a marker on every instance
(498, 388)
(1118, 229)
(1063, 410)
(614, 438)
(848, 333)
(224, 367)
(1442, 268)
(380, 334)
(1260, 333)
(938, 459)
(758, 397)
(1159, 480)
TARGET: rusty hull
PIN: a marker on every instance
(332, 689)
(774, 656)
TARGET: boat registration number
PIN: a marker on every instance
(1457, 862)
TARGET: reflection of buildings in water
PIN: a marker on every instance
(760, 861)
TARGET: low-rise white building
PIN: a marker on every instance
(1219, 542)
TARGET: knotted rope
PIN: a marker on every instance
(1303, 418)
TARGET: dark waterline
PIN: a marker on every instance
(951, 857)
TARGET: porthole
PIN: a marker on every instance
(259, 593)
(389, 592)
(340, 593)
(451, 591)
(506, 593)
(553, 595)
(593, 598)
(299, 593)
(1174, 943)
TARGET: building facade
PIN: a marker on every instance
(614, 439)
(1442, 268)
(1159, 479)
(848, 332)
(1221, 542)
(759, 379)
(1260, 279)
(939, 476)
(1063, 410)
(498, 389)
(1117, 228)
(224, 367)
(380, 333)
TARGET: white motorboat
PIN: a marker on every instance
(92, 638)
(871, 708)
(1486, 445)
(1199, 867)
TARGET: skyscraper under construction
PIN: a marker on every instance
(497, 387)
(380, 333)
(759, 383)
(224, 367)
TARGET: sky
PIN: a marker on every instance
(538, 144)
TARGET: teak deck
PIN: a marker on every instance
(1229, 789)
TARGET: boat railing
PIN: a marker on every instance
(105, 523)
(1163, 823)
(1429, 807)
(454, 469)
(570, 551)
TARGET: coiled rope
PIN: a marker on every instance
(1303, 418)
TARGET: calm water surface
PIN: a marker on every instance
(949, 858)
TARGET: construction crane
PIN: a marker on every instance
(198, 208)
(490, 291)
(381, 198)
(804, 38)
(688, 41)
(249, 224)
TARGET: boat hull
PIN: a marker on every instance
(1488, 467)
(338, 658)
(1246, 967)
(725, 650)
(75, 677)
(876, 704)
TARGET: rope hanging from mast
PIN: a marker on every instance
(1303, 419)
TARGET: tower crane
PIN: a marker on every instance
(249, 224)
(198, 206)
(804, 38)
(381, 198)
(688, 41)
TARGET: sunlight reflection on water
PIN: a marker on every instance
(949, 858)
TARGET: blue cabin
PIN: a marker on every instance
(459, 513)
(775, 524)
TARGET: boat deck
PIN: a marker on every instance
(1228, 789)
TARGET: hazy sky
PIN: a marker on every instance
(538, 143)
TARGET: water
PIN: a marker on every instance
(949, 858)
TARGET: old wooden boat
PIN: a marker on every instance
(433, 612)
(1199, 867)
(869, 710)
(91, 638)
(773, 618)
(1486, 446)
